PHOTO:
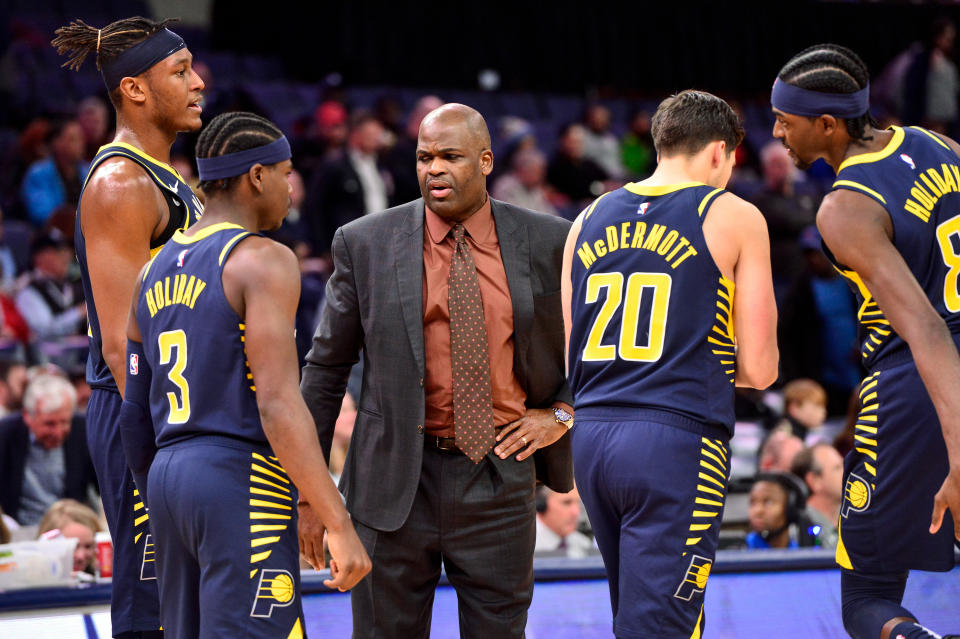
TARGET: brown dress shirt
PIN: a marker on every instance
(438, 246)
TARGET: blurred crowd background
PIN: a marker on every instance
(568, 93)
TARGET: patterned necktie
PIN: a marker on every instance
(472, 400)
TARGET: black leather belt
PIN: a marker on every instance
(448, 444)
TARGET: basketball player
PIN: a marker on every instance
(212, 360)
(891, 227)
(668, 303)
(132, 202)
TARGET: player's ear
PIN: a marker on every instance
(719, 155)
(133, 89)
(255, 175)
(828, 124)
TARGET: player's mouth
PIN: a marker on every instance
(439, 190)
(195, 105)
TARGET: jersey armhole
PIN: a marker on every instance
(706, 202)
(857, 187)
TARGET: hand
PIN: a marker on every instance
(349, 562)
(947, 497)
(537, 429)
(310, 532)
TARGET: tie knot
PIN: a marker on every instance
(458, 232)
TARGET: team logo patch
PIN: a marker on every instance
(908, 160)
(856, 495)
(134, 364)
(148, 569)
(180, 257)
(642, 209)
(275, 590)
(695, 581)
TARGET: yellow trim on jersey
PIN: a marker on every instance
(936, 138)
(697, 628)
(205, 232)
(146, 269)
(226, 247)
(842, 558)
(706, 199)
(659, 189)
(860, 187)
(594, 205)
(862, 158)
(142, 155)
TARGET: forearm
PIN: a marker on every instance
(295, 443)
(938, 363)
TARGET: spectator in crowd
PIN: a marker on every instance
(6, 523)
(805, 407)
(820, 467)
(775, 513)
(636, 147)
(326, 137)
(818, 327)
(50, 302)
(787, 212)
(599, 144)
(524, 185)
(43, 452)
(401, 159)
(94, 119)
(558, 515)
(931, 81)
(571, 173)
(8, 261)
(350, 184)
(70, 519)
(56, 180)
(778, 450)
(13, 383)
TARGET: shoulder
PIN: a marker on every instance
(259, 258)
(734, 213)
(388, 219)
(119, 182)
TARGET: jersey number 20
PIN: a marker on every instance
(627, 348)
(179, 406)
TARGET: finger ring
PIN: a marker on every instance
(523, 439)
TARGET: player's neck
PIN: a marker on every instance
(224, 208)
(681, 169)
(147, 137)
(875, 140)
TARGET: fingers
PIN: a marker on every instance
(508, 428)
(939, 507)
(345, 578)
(516, 441)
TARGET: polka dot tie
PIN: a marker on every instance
(472, 401)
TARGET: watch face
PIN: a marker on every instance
(562, 415)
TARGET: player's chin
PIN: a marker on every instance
(192, 122)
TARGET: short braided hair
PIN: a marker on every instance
(831, 68)
(230, 133)
(78, 40)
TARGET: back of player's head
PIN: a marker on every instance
(830, 68)
(79, 40)
(231, 133)
(690, 120)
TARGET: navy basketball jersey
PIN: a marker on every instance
(193, 341)
(916, 178)
(185, 209)
(651, 312)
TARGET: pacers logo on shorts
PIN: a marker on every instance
(856, 495)
(695, 581)
(275, 590)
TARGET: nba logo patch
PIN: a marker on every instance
(642, 209)
(908, 160)
(180, 257)
(134, 364)
(695, 581)
(275, 590)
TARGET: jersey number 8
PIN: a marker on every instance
(948, 235)
(628, 348)
(168, 341)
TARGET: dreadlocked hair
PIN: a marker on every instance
(231, 133)
(830, 68)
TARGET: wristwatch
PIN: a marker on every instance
(563, 417)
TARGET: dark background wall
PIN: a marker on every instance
(645, 47)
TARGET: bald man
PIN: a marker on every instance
(455, 300)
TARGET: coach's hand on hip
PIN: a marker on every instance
(536, 429)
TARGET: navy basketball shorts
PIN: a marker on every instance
(225, 518)
(134, 605)
(654, 492)
(897, 465)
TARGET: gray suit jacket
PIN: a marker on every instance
(374, 302)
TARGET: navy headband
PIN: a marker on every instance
(140, 57)
(792, 99)
(234, 164)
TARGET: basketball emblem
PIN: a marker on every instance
(275, 590)
(857, 494)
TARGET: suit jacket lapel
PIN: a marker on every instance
(408, 250)
(515, 252)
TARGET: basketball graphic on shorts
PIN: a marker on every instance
(857, 494)
(282, 588)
